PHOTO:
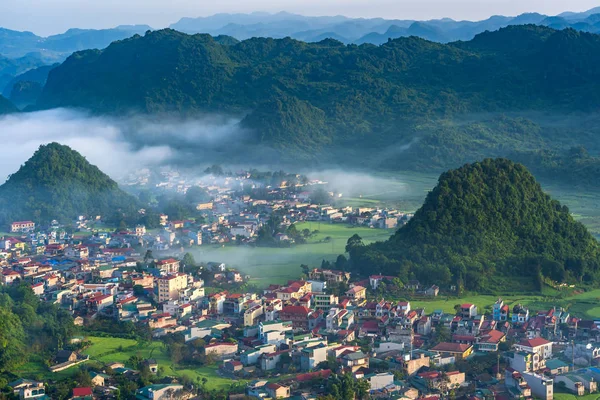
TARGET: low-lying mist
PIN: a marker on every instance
(120, 145)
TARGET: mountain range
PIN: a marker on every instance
(23, 48)
(16, 44)
(447, 103)
(374, 30)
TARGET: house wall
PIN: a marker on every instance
(541, 386)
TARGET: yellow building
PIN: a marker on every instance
(169, 286)
(457, 350)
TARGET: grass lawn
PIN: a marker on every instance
(107, 350)
(268, 265)
(568, 396)
(583, 305)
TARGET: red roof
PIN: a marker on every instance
(324, 374)
(492, 336)
(82, 392)
(466, 305)
(296, 310)
(167, 261)
(534, 342)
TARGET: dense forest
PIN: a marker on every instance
(59, 183)
(6, 106)
(407, 104)
(29, 327)
(481, 223)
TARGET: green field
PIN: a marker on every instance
(105, 350)
(567, 396)
(583, 305)
(267, 265)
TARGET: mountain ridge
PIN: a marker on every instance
(349, 92)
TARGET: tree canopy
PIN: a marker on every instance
(59, 183)
(482, 221)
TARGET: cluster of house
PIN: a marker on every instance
(302, 328)
(103, 386)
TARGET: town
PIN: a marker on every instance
(320, 336)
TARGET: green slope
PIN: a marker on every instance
(485, 221)
(59, 183)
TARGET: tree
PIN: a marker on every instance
(138, 290)
(196, 194)
(320, 196)
(188, 260)
(441, 334)
(148, 256)
(353, 242)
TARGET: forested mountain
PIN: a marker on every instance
(307, 96)
(6, 106)
(9, 68)
(39, 75)
(486, 225)
(16, 44)
(59, 183)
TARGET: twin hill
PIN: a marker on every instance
(59, 183)
(486, 225)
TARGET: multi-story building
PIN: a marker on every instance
(216, 302)
(252, 314)
(170, 286)
(77, 252)
(539, 346)
(354, 361)
(273, 332)
(357, 293)
(325, 301)
(298, 315)
(168, 266)
(329, 275)
(500, 311)
(22, 226)
(311, 357)
(339, 318)
(468, 310)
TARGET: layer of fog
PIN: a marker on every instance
(116, 145)
(119, 146)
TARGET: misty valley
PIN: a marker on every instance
(268, 206)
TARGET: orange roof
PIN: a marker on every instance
(451, 347)
(534, 342)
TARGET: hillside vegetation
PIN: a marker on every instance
(485, 221)
(314, 97)
(6, 106)
(59, 183)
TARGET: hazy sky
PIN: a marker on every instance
(46, 17)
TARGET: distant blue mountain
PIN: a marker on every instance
(376, 30)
